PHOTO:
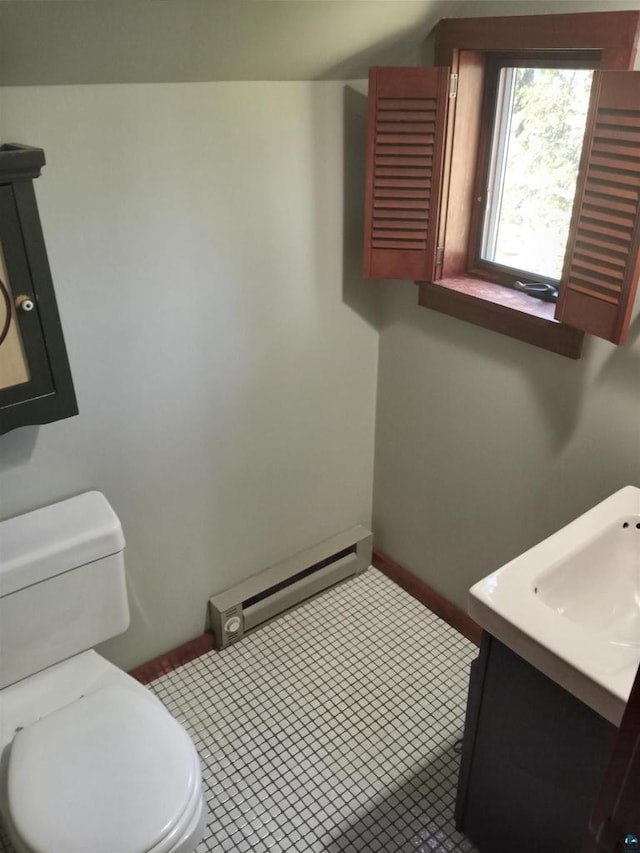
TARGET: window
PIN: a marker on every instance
(517, 159)
(538, 115)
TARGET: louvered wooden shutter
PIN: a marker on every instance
(602, 264)
(407, 113)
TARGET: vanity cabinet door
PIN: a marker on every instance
(533, 760)
(35, 380)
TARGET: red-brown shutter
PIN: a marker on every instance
(602, 264)
(407, 113)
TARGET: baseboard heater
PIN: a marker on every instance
(235, 612)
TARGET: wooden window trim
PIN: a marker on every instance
(504, 310)
(460, 287)
(615, 34)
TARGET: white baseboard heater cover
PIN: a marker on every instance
(235, 612)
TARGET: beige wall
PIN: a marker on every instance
(220, 338)
(205, 240)
(485, 445)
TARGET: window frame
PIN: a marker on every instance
(460, 287)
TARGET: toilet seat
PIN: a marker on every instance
(112, 772)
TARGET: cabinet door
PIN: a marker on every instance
(616, 813)
(35, 380)
(24, 367)
(538, 756)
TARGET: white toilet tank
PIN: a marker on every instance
(62, 584)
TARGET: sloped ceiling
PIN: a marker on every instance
(48, 42)
(121, 41)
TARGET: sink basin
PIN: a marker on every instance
(598, 586)
(571, 604)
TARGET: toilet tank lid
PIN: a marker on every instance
(54, 539)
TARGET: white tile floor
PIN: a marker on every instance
(332, 728)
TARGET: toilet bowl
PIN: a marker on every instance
(95, 747)
(92, 762)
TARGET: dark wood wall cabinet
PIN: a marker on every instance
(533, 758)
(429, 157)
(35, 379)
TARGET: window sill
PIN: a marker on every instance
(502, 310)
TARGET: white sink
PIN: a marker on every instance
(571, 605)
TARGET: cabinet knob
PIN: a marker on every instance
(24, 303)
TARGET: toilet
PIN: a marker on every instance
(91, 761)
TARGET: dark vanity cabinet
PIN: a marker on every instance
(533, 758)
(35, 379)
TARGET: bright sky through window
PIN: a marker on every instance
(536, 146)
